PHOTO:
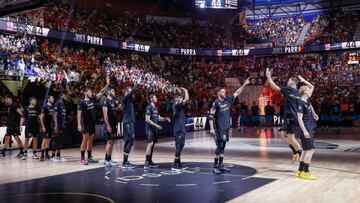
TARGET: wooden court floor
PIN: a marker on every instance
(336, 164)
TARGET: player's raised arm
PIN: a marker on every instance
(307, 83)
(186, 97)
(104, 89)
(241, 89)
(271, 81)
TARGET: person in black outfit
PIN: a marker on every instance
(110, 106)
(46, 120)
(291, 95)
(307, 121)
(14, 118)
(128, 124)
(86, 119)
(32, 126)
(179, 127)
(59, 116)
(152, 117)
(219, 120)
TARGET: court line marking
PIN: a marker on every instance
(221, 182)
(118, 181)
(107, 172)
(63, 193)
(185, 185)
(231, 175)
(130, 178)
(152, 185)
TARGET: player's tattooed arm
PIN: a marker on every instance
(211, 120)
(22, 119)
(106, 118)
(55, 115)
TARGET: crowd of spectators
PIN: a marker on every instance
(81, 67)
(282, 31)
(339, 26)
(336, 26)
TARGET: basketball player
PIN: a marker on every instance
(59, 116)
(46, 120)
(220, 112)
(179, 127)
(32, 127)
(291, 96)
(307, 121)
(86, 118)
(13, 126)
(109, 107)
(128, 124)
(151, 127)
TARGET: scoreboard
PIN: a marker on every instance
(219, 4)
(353, 58)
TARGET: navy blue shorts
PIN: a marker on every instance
(290, 126)
(89, 129)
(13, 130)
(307, 143)
(151, 136)
(31, 132)
(222, 135)
(112, 135)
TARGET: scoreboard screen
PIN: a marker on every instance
(219, 4)
(353, 58)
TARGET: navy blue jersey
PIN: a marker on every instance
(59, 108)
(308, 118)
(291, 96)
(222, 114)
(179, 118)
(154, 115)
(111, 105)
(128, 107)
(88, 113)
(48, 111)
(13, 117)
(31, 115)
